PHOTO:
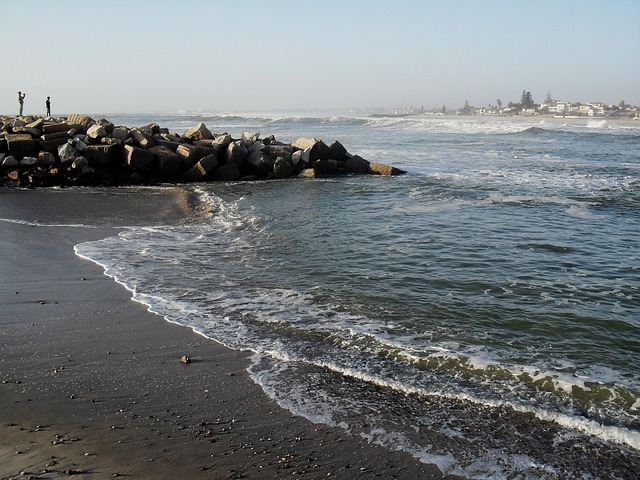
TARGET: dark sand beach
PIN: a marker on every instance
(92, 383)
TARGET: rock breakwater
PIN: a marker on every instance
(78, 150)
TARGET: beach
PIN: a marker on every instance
(474, 317)
(93, 384)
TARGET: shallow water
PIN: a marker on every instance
(481, 312)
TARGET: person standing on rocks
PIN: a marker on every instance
(48, 104)
(21, 100)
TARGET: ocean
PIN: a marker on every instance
(481, 312)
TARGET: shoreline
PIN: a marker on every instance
(92, 383)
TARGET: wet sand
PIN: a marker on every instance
(93, 384)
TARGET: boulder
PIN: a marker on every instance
(52, 145)
(138, 158)
(325, 167)
(315, 149)
(168, 163)
(296, 158)
(303, 143)
(107, 125)
(151, 129)
(22, 145)
(191, 154)
(80, 163)
(96, 131)
(381, 169)
(10, 162)
(282, 168)
(49, 128)
(337, 151)
(222, 141)
(249, 138)
(142, 139)
(121, 133)
(203, 167)
(81, 123)
(67, 153)
(357, 165)
(29, 162)
(46, 158)
(36, 124)
(54, 136)
(257, 146)
(261, 162)
(236, 153)
(171, 145)
(308, 173)
(110, 141)
(228, 172)
(99, 154)
(284, 151)
(34, 132)
(198, 132)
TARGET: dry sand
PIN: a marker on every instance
(92, 383)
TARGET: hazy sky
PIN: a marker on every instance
(146, 56)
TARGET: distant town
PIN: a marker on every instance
(527, 107)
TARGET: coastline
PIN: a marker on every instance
(92, 383)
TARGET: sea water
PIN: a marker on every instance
(481, 312)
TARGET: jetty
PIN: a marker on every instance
(78, 150)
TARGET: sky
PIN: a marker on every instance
(246, 55)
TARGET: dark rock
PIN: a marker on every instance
(228, 172)
(10, 162)
(168, 163)
(171, 145)
(107, 125)
(138, 158)
(270, 140)
(66, 153)
(22, 145)
(29, 162)
(203, 167)
(284, 151)
(54, 136)
(191, 154)
(282, 167)
(236, 153)
(261, 162)
(99, 154)
(150, 129)
(49, 128)
(79, 163)
(325, 167)
(121, 133)
(337, 151)
(257, 146)
(356, 164)
(46, 158)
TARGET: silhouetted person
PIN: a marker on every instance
(21, 100)
(48, 104)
